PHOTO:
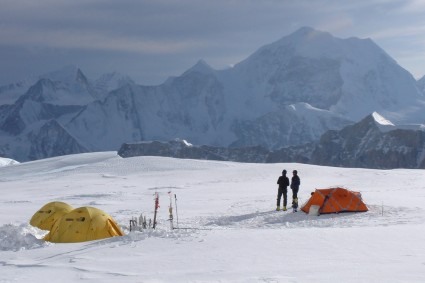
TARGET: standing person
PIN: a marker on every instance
(283, 182)
(295, 186)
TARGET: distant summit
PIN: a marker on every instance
(67, 74)
(202, 67)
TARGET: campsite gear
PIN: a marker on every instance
(46, 216)
(83, 224)
(335, 200)
(156, 209)
(170, 211)
(137, 224)
(133, 224)
(142, 221)
(177, 215)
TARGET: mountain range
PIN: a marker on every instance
(373, 142)
(286, 94)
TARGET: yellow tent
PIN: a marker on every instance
(83, 224)
(46, 216)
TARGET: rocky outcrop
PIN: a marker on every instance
(365, 145)
(362, 145)
(182, 149)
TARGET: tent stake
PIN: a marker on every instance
(170, 211)
(177, 214)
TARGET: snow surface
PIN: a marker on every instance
(230, 231)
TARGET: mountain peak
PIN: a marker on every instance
(68, 74)
(111, 81)
(307, 31)
(305, 34)
(201, 67)
(421, 84)
(372, 121)
(383, 124)
(306, 42)
(309, 42)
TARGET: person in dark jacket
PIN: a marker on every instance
(283, 182)
(295, 186)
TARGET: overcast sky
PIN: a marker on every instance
(151, 40)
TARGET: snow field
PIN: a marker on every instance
(233, 233)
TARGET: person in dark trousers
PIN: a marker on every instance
(295, 186)
(283, 182)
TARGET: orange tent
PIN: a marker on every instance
(335, 200)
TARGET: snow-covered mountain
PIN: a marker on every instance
(287, 93)
(66, 86)
(374, 142)
(109, 82)
(11, 92)
(31, 126)
(366, 145)
(352, 77)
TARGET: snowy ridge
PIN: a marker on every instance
(382, 123)
(421, 84)
(381, 120)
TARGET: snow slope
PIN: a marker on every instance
(7, 162)
(236, 237)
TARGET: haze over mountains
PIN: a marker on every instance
(287, 93)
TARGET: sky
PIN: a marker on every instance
(152, 40)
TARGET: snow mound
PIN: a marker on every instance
(16, 238)
(7, 162)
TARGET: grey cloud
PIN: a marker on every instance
(154, 39)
